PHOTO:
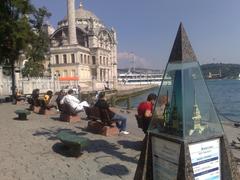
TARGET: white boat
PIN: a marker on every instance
(142, 78)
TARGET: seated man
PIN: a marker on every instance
(60, 96)
(120, 120)
(145, 110)
(19, 96)
(48, 100)
(71, 104)
(33, 100)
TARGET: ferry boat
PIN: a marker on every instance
(142, 78)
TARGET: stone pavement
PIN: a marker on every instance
(30, 150)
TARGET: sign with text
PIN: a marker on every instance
(205, 158)
(165, 159)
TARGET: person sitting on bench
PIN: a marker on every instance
(71, 104)
(48, 101)
(120, 120)
(60, 96)
(33, 100)
(145, 110)
(19, 96)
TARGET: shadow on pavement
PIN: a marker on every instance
(56, 118)
(115, 169)
(50, 134)
(135, 145)
(17, 119)
(110, 149)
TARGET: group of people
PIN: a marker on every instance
(67, 103)
(62, 101)
(145, 110)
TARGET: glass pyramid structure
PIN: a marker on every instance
(184, 107)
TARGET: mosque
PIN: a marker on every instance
(83, 49)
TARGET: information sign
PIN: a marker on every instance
(205, 158)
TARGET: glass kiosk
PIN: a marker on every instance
(184, 113)
(185, 138)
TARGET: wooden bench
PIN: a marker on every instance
(100, 122)
(22, 114)
(74, 142)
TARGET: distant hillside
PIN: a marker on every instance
(220, 70)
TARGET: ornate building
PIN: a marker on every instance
(83, 48)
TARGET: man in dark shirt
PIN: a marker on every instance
(120, 120)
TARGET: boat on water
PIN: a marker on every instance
(142, 78)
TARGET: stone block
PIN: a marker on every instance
(22, 102)
(36, 109)
(47, 111)
(98, 128)
(95, 127)
(110, 131)
(70, 118)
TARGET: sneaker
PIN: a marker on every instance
(124, 132)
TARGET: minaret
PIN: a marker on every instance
(72, 36)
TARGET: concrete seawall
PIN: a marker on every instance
(123, 92)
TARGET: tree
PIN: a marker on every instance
(33, 69)
(20, 32)
(38, 50)
(39, 40)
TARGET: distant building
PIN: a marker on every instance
(83, 48)
(215, 76)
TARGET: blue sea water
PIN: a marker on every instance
(225, 95)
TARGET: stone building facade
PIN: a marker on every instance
(83, 48)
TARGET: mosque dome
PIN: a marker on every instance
(83, 14)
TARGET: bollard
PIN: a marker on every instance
(113, 101)
(129, 102)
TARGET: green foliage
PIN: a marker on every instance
(39, 38)
(21, 31)
(14, 29)
(33, 69)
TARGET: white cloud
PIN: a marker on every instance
(126, 59)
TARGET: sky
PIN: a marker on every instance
(146, 29)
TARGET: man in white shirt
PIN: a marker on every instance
(73, 103)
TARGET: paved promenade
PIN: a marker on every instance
(29, 149)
